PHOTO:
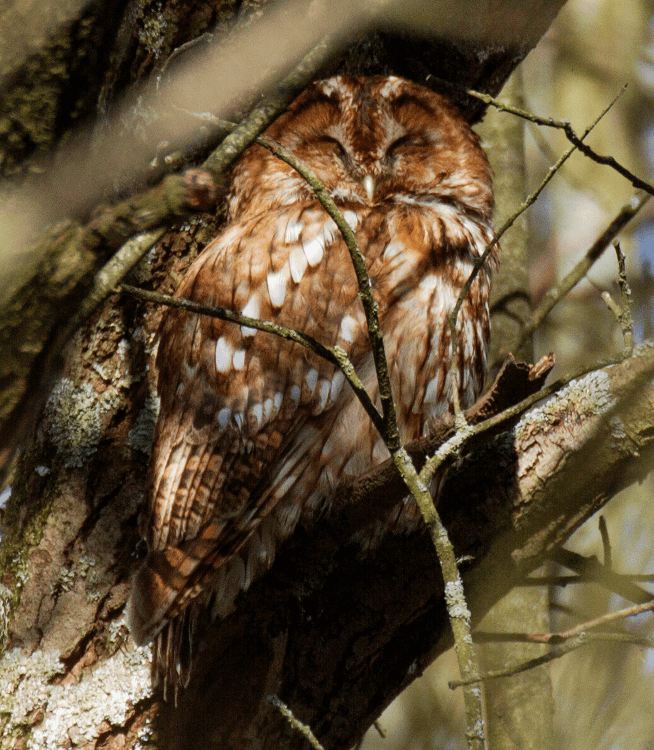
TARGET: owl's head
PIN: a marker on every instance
(369, 140)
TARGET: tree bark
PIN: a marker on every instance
(336, 635)
(520, 708)
(333, 634)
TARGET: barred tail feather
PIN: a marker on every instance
(151, 600)
(172, 654)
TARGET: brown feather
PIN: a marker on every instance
(254, 431)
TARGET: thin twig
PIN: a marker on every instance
(206, 38)
(558, 292)
(570, 134)
(556, 652)
(577, 630)
(568, 176)
(569, 580)
(304, 729)
(268, 110)
(632, 639)
(116, 268)
(624, 318)
(334, 354)
(593, 570)
(530, 200)
(611, 304)
(606, 543)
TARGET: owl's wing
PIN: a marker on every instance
(233, 399)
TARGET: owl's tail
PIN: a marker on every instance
(172, 654)
(151, 600)
(173, 585)
(161, 610)
(148, 619)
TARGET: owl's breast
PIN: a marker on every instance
(420, 257)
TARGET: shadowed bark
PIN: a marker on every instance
(334, 634)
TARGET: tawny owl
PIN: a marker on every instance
(254, 431)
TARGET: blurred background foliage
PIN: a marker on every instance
(603, 693)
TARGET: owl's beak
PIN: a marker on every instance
(369, 185)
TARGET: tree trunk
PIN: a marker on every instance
(335, 635)
(519, 708)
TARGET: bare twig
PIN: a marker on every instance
(116, 268)
(611, 304)
(557, 651)
(205, 38)
(632, 639)
(268, 110)
(558, 292)
(574, 579)
(530, 200)
(571, 135)
(622, 311)
(302, 728)
(593, 570)
(569, 176)
(606, 543)
(577, 630)
(625, 319)
(333, 354)
(380, 729)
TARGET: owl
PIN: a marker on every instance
(255, 432)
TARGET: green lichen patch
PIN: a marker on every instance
(152, 33)
(141, 436)
(76, 417)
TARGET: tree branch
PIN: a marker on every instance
(526, 492)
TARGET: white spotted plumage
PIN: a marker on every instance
(254, 431)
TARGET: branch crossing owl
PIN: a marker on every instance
(254, 431)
